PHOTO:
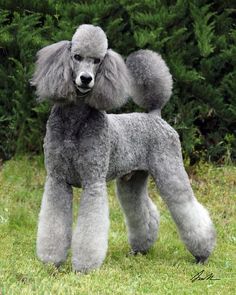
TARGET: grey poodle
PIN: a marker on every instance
(85, 147)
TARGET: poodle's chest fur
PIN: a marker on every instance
(83, 145)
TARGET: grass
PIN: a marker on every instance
(166, 269)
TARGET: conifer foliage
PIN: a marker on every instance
(196, 38)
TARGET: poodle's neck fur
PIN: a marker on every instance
(67, 121)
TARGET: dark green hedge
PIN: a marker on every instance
(196, 38)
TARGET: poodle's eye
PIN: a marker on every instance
(78, 57)
(96, 60)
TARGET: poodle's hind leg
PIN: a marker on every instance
(141, 215)
(55, 222)
(192, 219)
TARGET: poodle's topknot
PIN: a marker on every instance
(90, 39)
(151, 77)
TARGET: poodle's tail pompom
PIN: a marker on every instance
(151, 78)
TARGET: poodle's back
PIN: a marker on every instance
(133, 138)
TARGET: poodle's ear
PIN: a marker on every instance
(52, 77)
(112, 83)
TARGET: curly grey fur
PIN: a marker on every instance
(85, 147)
(151, 77)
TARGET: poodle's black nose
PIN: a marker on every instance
(86, 79)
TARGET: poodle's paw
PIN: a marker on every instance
(135, 253)
(52, 249)
(86, 267)
(88, 253)
(202, 247)
(86, 262)
(141, 239)
(201, 259)
(50, 256)
(199, 234)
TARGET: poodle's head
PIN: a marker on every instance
(82, 70)
(88, 49)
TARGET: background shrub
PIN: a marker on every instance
(196, 38)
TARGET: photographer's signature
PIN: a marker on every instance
(200, 276)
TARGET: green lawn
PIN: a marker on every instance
(166, 269)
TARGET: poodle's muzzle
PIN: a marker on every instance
(84, 82)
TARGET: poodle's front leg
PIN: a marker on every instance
(55, 222)
(90, 239)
